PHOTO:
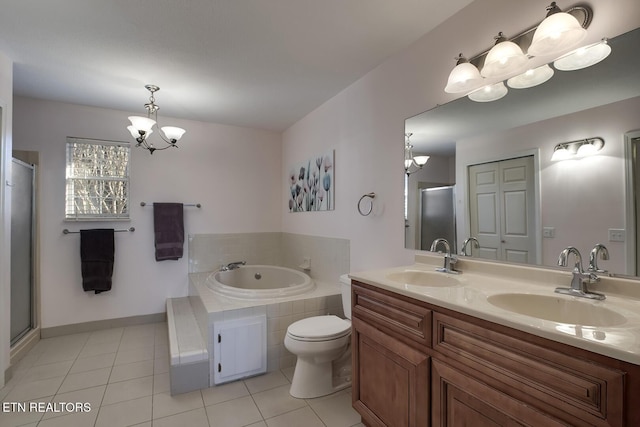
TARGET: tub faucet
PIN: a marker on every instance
(232, 265)
(580, 279)
(449, 260)
(601, 250)
(476, 245)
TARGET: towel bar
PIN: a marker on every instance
(197, 205)
(131, 229)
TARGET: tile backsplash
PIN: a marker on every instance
(329, 256)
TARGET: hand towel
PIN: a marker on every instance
(168, 227)
(97, 251)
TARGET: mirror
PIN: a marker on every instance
(578, 202)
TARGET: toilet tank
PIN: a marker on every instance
(345, 286)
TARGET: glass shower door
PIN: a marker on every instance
(22, 275)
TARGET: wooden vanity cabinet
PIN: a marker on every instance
(416, 364)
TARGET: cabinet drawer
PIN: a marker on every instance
(392, 313)
(577, 391)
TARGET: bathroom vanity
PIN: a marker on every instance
(435, 351)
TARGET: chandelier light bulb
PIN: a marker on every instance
(464, 77)
(503, 59)
(531, 78)
(583, 57)
(489, 93)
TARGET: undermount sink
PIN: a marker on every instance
(424, 278)
(558, 309)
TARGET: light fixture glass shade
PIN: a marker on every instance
(142, 123)
(531, 78)
(587, 149)
(504, 58)
(173, 133)
(421, 160)
(557, 33)
(489, 93)
(463, 78)
(561, 154)
(583, 57)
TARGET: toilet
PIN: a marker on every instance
(322, 345)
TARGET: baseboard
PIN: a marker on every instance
(96, 325)
(22, 347)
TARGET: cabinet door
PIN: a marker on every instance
(391, 382)
(460, 400)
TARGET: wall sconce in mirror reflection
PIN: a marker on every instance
(507, 61)
(578, 149)
(409, 159)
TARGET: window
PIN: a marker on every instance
(97, 179)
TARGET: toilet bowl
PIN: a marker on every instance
(322, 345)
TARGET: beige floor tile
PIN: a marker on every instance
(335, 410)
(105, 335)
(277, 401)
(128, 390)
(161, 383)
(125, 413)
(146, 424)
(134, 355)
(258, 424)
(195, 418)
(131, 371)
(288, 372)
(85, 379)
(265, 382)
(161, 366)
(222, 393)
(234, 413)
(16, 417)
(93, 362)
(50, 370)
(33, 390)
(303, 417)
(91, 396)
(99, 348)
(130, 342)
(164, 404)
(161, 351)
(78, 419)
(57, 355)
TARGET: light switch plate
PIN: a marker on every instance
(616, 235)
(548, 232)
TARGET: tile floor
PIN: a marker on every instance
(122, 375)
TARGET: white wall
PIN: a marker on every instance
(234, 172)
(575, 196)
(365, 122)
(6, 103)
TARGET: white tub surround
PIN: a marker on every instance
(480, 280)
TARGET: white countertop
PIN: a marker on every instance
(480, 280)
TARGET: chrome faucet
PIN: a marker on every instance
(580, 279)
(449, 260)
(476, 245)
(601, 250)
(232, 265)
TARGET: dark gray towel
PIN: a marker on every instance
(96, 257)
(168, 227)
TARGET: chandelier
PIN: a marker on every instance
(410, 160)
(142, 127)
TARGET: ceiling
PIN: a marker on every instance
(257, 63)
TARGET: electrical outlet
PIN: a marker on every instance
(616, 235)
(548, 232)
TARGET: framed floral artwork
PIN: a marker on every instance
(312, 185)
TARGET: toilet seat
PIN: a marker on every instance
(319, 328)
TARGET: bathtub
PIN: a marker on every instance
(254, 282)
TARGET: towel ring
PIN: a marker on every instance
(370, 196)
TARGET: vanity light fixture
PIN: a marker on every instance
(489, 93)
(583, 57)
(531, 78)
(142, 127)
(504, 58)
(464, 77)
(409, 159)
(577, 149)
(558, 32)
